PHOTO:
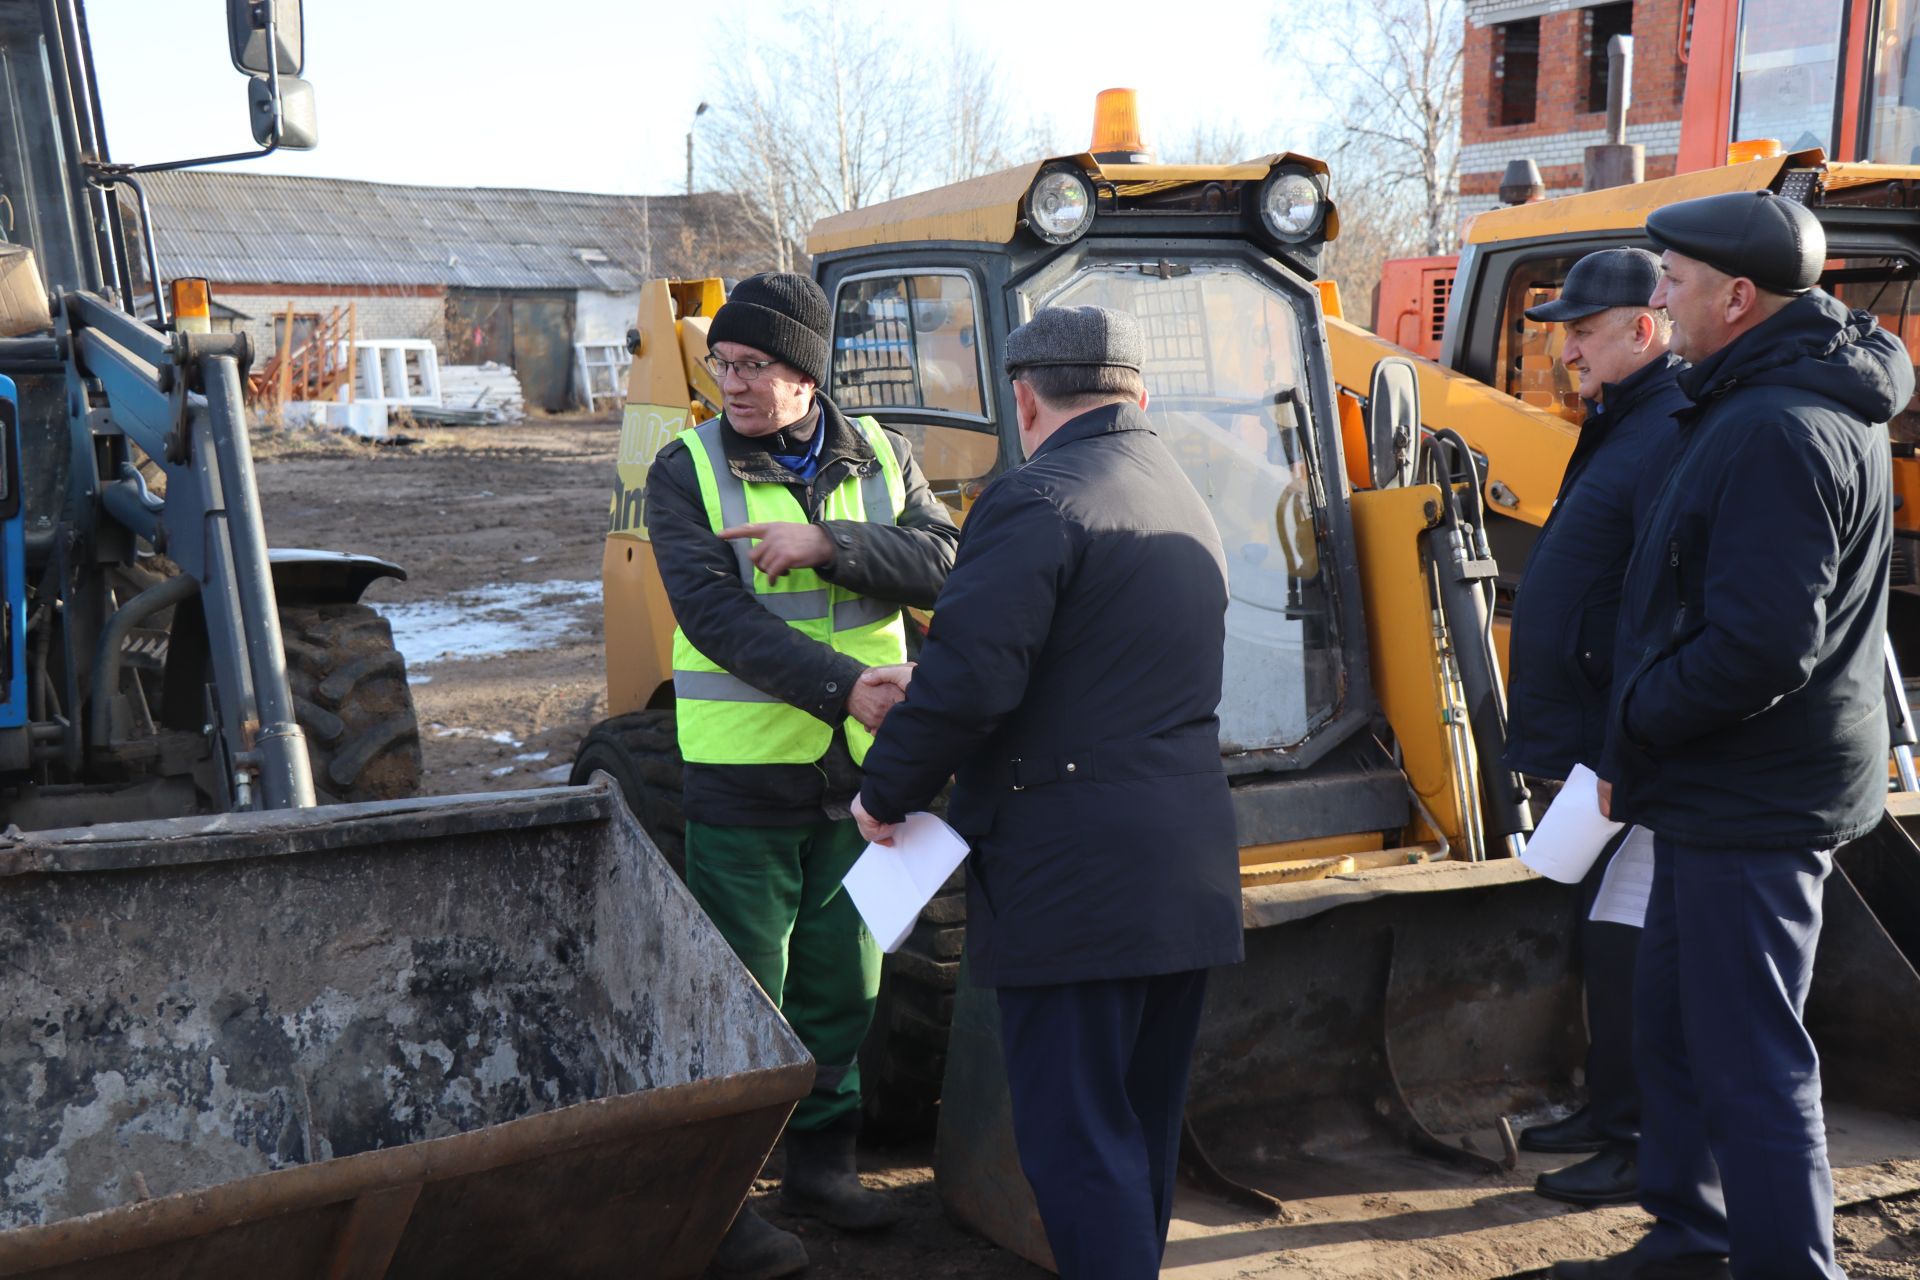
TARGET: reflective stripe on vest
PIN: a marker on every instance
(721, 718)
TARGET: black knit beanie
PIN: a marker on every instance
(782, 314)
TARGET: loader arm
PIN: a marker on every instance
(178, 400)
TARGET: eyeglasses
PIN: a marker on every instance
(749, 370)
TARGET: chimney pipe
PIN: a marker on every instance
(1617, 162)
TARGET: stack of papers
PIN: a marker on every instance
(1571, 833)
(892, 886)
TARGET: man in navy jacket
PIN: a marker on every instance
(1071, 681)
(1561, 659)
(1748, 729)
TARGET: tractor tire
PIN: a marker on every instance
(905, 1052)
(904, 1057)
(642, 752)
(351, 698)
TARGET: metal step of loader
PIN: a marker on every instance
(480, 1035)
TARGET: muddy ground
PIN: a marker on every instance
(499, 529)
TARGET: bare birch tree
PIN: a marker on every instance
(1392, 70)
(825, 113)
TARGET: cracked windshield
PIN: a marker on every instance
(1225, 377)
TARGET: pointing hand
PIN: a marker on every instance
(784, 545)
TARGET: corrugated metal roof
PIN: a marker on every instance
(267, 228)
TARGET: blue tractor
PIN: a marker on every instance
(158, 660)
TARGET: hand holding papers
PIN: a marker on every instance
(1571, 833)
(891, 885)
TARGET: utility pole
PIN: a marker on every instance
(697, 113)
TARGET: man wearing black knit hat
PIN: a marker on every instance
(788, 537)
(1748, 730)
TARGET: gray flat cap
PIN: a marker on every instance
(1601, 281)
(1076, 336)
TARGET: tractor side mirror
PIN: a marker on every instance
(1393, 422)
(295, 126)
(247, 22)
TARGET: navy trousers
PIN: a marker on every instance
(1607, 962)
(1097, 1075)
(1733, 1145)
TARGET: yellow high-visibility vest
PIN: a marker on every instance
(721, 718)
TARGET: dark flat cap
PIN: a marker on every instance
(1775, 243)
(1076, 336)
(1600, 282)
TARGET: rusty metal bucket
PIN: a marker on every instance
(1359, 1079)
(483, 1035)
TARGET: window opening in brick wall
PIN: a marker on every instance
(1516, 71)
(1602, 23)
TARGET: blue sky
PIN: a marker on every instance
(597, 94)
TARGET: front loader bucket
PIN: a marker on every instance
(485, 1035)
(1359, 1080)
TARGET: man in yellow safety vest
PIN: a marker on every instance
(788, 537)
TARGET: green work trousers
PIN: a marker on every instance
(774, 893)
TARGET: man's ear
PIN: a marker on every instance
(1742, 297)
(1143, 398)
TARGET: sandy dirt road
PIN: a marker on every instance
(500, 529)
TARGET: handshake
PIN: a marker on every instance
(877, 691)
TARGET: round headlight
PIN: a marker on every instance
(1292, 205)
(1060, 206)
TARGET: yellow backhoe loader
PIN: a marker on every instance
(1408, 996)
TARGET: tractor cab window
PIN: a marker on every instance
(1228, 389)
(1529, 360)
(36, 201)
(1787, 71)
(908, 342)
(1893, 128)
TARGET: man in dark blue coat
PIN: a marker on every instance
(1748, 730)
(1070, 681)
(1561, 659)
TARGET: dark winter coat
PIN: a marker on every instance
(1750, 709)
(1560, 663)
(1071, 681)
(903, 563)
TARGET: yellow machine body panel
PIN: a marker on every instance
(1618, 207)
(1408, 677)
(1526, 448)
(986, 210)
(668, 390)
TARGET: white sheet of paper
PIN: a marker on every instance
(1628, 883)
(891, 886)
(1571, 833)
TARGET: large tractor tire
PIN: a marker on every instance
(904, 1057)
(642, 752)
(351, 698)
(905, 1053)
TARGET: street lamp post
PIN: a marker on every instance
(697, 113)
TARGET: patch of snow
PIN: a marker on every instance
(501, 772)
(507, 617)
(559, 773)
(532, 755)
(528, 559)
(413, 678)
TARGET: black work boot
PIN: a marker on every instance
(1612, 1176)
(823, 1182)
(755, 1249)
(1635, 1265)
(1578, 1132)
